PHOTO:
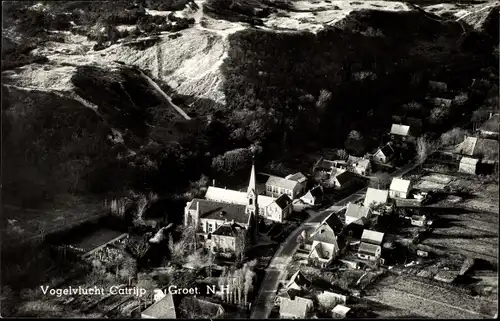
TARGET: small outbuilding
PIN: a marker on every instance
(400, 188)
(468, 165)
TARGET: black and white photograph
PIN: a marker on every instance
(250, 159)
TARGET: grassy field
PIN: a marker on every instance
(427, 300)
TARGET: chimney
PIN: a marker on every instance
(197, 208)
(491, 114)
(213, 182)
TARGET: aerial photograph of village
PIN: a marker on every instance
(236, 159)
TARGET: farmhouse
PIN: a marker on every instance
(163, 309)
(344, 180)
(385, 154)
(298, 281)
(355, 213)
(400, 132)
(418, 220)
(484, 149)
(400, 188)
(468, 165)
(375, 197)
(359, 165)
(314, 196)
(277, 186)
(224, 240)
(298, 308)
(370, 247)
(275, 209)
(437, 86)
(322, 254)
(340, 312)
(490, 127)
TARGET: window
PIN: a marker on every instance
(269, 188)
(209, 228)
(275, 189)
(250, 201)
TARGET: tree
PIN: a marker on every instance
(453, 136)
(326, 301)
(381, 180)
(241, 243)
(355, 142)
(249, 276)
(424, 148)
(137, 247)
(342, 154)
(232, 162)
(222, 281)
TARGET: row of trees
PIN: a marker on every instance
(237, 283)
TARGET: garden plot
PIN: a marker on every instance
(438, 178)
(427, 299)
(428, 185)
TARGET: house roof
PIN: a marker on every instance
(289, 293)
(437, 85)
(325, 164)
(315, 192)
(401, 130)
(367, 248)
(358, 161)
(341, 309)
(491, 125)
(281, 182)
(479, 147)
(323, 250)
(373, 237)
(228, 230)
(442, 102)
(220, 211)
(344, 177)
(468, 161)
(297, 307)
(357, 211)
(163, 309)
(205, 309)
(387, 150)
(418, 217)
(298, 177)
(400, 185)
(379, 196)
(283, 201)
(300, 279)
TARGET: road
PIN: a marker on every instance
(276, 271)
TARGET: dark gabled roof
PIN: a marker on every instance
(228, 230)
(300, 279)
(325, 164)
(345, 177)
(334, 222)
(316, 191)
(387, 150)
(290, 293)
(283, 201)
(221, 211)
(491, 125)
(487, 149)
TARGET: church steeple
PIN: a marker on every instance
(252, 207)
(251, 183)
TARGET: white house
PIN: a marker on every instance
(162, 309)
(401, 132)
(400, 188)
(297, 308)
(314, 196)
(322, 254)
(370, 247)
(468, 165)
(354, 213)
(384, 154)
(277, 186)
(490, 127)
(375, 197)
(340, 311)
(359, 165)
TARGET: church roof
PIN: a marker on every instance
(283, 201)
(220, 211)
(281, 182)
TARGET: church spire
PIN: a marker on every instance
(251, 184)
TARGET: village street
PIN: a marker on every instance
(276, 271)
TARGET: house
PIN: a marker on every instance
(400, 132)
(340, 311)
(274, 209)
(202, 309)
(327, 230)
(355, 213)
(437, 86)
(163, 309)
(325, 166)
(418, 220)
(314, 196)
(400, 188)
(468, 165)
(298, 308)
(375, 197)
(446, 276)
(415, 124)
(441, 102)
(490, 127)
(484, 149)
(359, 165)
(385, 154)
(344, 180)
(298, 281)
(322, 254)
(370, 247)
(289, 294)
(225, 239)
(299, 178)
(277, 186)
(329, 299)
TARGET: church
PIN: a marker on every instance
(223, 214)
